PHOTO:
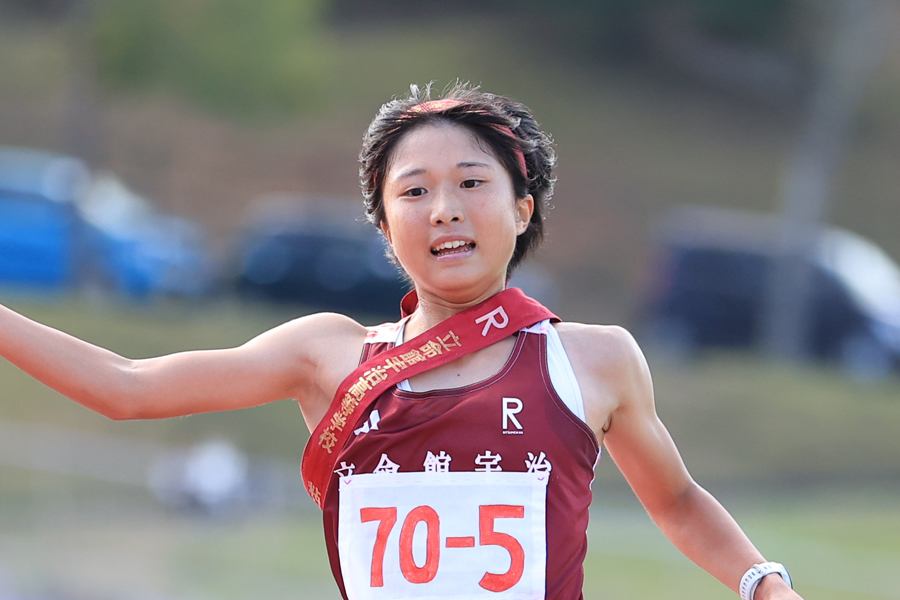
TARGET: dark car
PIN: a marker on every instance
(319, 254)
(709, 279)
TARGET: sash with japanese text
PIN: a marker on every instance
(471, 330)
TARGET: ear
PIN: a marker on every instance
(386, 231)
(524, 210)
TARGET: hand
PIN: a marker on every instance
(773, 587)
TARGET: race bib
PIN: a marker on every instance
(450, 535)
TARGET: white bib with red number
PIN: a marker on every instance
(445, 535)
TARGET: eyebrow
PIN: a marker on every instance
(459, 165)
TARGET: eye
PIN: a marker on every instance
(415, 192)
(470, 184)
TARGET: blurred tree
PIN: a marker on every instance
(611, 23)
(38, 9)
(83, 129)
(856, 43)
(592, 23)
(82, 134)
(732, 44)
(243, 57)
(739, 19)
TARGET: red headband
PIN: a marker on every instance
(435, 106)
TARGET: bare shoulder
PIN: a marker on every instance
(605, 346)
(325, 325)
(610, 368)
(318, 339)
(318, 351)
(608, 351)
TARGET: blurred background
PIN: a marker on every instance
(182, 174)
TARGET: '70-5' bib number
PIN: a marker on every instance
(443, 535)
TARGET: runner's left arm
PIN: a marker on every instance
(693, 520)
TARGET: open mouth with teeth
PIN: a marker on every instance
(453, 247)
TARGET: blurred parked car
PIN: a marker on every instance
(56, 177)
(317, 253)
(708, 285)
(142, 251)
(62, 228)
(42, 235)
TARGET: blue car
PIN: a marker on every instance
(144, 253)
(42, 235)
(62, 228)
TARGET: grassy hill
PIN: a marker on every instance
(631, 143)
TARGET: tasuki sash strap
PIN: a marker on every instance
(475, 328)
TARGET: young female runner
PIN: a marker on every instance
(452, 452)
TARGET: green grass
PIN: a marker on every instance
(780, 423)
(839, 546)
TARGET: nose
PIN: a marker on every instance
(446, 208)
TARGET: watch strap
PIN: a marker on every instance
(750, 580)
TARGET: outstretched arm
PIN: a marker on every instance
(624, 416)
(301, 359)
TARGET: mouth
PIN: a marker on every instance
(452, 247)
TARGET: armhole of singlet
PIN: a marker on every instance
(386, 333)
(389, 333)
(403, 385)
(562, 376)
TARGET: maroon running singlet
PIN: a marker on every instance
(470, 493)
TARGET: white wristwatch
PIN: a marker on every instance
(754, 575)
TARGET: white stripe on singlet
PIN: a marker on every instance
(562, 376)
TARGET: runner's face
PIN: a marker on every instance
(451, 215)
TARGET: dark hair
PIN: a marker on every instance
(507, 127)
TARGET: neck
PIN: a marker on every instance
(433, 309)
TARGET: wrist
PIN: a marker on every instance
(769, 585)
(759, 580)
